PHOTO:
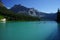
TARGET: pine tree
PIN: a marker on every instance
(58, 16)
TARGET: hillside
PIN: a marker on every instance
(9, 15)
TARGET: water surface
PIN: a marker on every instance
(40, 30)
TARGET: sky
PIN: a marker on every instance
(48, 6)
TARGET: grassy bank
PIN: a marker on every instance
(1, 17)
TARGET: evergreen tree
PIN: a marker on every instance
(58, 15)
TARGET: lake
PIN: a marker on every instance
(36, 30)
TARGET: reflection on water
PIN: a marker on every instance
(2, 30)
(57, 37)
(44, 30)
(3, 26)
(59, 31)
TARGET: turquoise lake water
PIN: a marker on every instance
(40, 30)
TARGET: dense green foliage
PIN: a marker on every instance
(9, 15)
(1, 17)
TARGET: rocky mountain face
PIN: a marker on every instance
(31, 11)
(23, 10)
(19, 8)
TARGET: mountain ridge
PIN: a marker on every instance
(20, 8)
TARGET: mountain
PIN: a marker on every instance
(15, 13)
(11, 16)
(23, 10)
(19, 8)
(49, 16)
(31, 11)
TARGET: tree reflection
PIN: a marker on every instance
(57, 37)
